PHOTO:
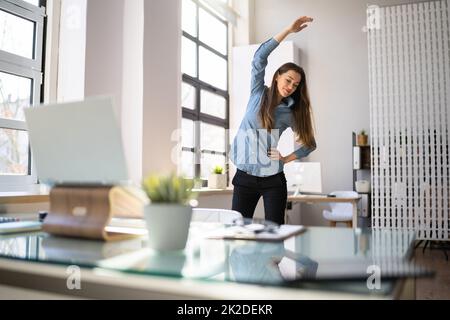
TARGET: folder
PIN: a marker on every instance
(356, 158)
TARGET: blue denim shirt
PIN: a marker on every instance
(249, 150)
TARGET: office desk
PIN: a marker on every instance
(325, 199)
(212, 269)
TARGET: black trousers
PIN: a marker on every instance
(248, 189)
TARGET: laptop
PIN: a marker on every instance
(77, 143)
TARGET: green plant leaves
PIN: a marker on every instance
(218, 170)
(168, 189)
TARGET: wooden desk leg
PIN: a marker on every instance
(355, 213)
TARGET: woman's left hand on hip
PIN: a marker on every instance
(274, 154)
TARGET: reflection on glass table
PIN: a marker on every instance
(317, 255)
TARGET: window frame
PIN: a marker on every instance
(27, 68)
(195, 114)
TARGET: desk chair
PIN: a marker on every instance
(215, 215)
(340, 212)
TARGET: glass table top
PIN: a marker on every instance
(317, 254)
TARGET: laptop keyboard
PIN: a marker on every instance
(8, 219)
(14, 225)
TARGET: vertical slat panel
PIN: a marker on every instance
(382, 111)
(373, 75)
(445, 133)
(436, 124)
(394, 117)
(420, 68)
(403, 62)
(398, 113)
(408, 107)
(410, 96)
(389, 135)
(379, 103)
(371, 42)
(431, 116)
(427, 117)
(411, 78)
(446, 52)
(386, 125)
(379, 111)
(437, 38)
(421, 120)
(419, 137)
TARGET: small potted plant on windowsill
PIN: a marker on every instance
(217, 179)
(362, 138)
(169, 213)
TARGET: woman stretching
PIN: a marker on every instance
(270, 111)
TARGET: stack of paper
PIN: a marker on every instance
(241, 233)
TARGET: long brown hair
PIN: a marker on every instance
(302, 112)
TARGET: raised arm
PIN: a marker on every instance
(298, 25)
(259, 62)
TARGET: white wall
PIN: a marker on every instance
(243, 32)
(104, 49)
(132, 86)
(162, 85)
(113, 67)
(334, 56)
(132, 52)
(72, 42)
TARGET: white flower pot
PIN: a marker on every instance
(217, 181)
(168, 225)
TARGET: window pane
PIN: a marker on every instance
(189, 17)
(208, 162)
(33, 2)
(13, 152)
(187, 96)
(15, 95)
(213, 69)
(16, 35)
(212, 137)
(188, 57)
(187, 164)
(212, 31)
(213, 104)
(187, 129)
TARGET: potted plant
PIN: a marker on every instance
(169, 213)
(362, 138)
(217, 179)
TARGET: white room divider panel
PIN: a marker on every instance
(409, 75)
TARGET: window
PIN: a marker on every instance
(205, 98)
(21, 55)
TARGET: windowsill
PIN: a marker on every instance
(210, 192)
(23, 197)
(19, 197)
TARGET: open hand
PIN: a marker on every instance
(300, 24)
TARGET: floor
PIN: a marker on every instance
(436, 288)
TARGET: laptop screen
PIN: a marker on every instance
(304, 177)
(77, 143)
